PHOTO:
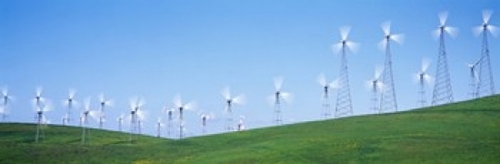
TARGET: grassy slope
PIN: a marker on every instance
(463, 132)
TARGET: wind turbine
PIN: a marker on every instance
(6, 101)
(474, 78)
(159, 126)
(120, 122)
(326, 86)
(170, 114)
(486, 85)
(388, 100)
(70, 102)
(241, 125)
(136, 114)
(230, 101)
(179, 105)
(423, 78)
(344, 102)
(87, 111)
(375, 85)
(443, 92)
(103, 103)
(278, 98)
(40, 108)
(204, 119)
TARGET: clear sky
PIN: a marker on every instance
(158, 49)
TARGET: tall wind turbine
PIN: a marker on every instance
(87, 111)
(344, 102)
(375, 85)
(278, 98)
(136, 114)
(325, 98)
(159, 126)
(423, 78)
(179, 105)
(103, 103)
(474, 78)
(388, 99)
(69, 103)
(443, 92)
(120, 122)
(204, 119)
(40, 108)
(170, 117)
(230, 101)
(6, 99)
(486, 85)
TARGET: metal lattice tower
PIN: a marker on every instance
(486, 85)
(442, 92)
(473, 80)
(326, 102)
(388, 100)
(375, 95)
(277, 109)
(421, 81)
(344, 103)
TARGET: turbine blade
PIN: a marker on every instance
(344, 32)
(382, 44)
(278, 82)
(443, 16)
(486, 16)
(386, 28)
(337, 47)
(226, 93)
(239, 99)
(287, 97)
(353, 47)
(321, 79)
(177, 101)
(428, 79)
(477, 30)
(335, 84)
(378, 71)
(71, 93)
(425, 64)
(493, 30)
(190, 106)
(101, 97)
(436, 33)
(452, 31)
(398, 38)
(5, 92)
(39, 91)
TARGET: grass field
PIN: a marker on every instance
(464, 132)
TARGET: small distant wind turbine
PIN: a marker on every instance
(241, 125)
(136, 114)
(6, 101)
(278, 98)
(69, 103)
(375, 85)
(170, 114)
(179, 105)
(423, 78)
(230, 101)
(120, 121)
(103, 103)
(159, 126)
(204, 119)
(41, 106)
(87, 111)
(327, 86)
(474, 78)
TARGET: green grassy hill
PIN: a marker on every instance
(465, 132)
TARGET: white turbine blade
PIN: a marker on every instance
(2, 110)
(71, 93)
(425, 64)
(380, 85)
(287, 97)
(477, 30)
(352, 46)
(141, 115)
(486, 16)
(95, 115)
(335, 84)
(428, 79)
(86, 104)
(452, 31)
(369, 84)
(239, 99)
(5, 92)
(386, 28)
(190, 106)
(321, 79)
(398, 38)
(39, 91)
(416, 77)
(226, 93)
(382, 44)
(344, 32)
(436, 33)
(101, 97)
(278, 82)
(443, 16)
(177, 101)
(493, 30)
(337, 47)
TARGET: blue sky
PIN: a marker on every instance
(158, 49)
